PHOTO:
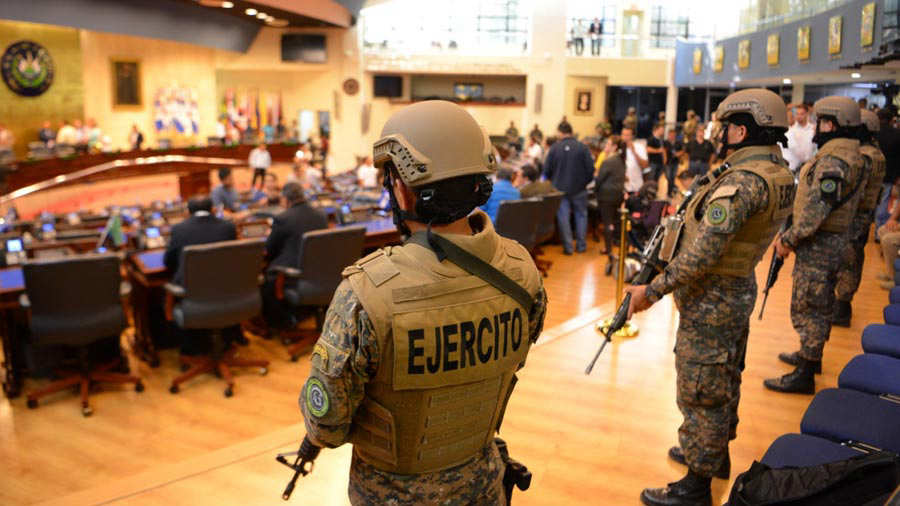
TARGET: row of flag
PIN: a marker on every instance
(252, 108)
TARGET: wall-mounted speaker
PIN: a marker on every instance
(366, 113)
(337, 105)
(538, 97)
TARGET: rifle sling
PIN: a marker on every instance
(475, 266)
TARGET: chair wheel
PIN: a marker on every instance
(32, 403)
(185, 367)
(154, 363)
(138, 387)
(173, 389)
(285, 341)
(218, 373)
(229, 392)
(295, 358)
(86, 411)
(263, 371)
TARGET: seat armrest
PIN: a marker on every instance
(24, 301)
(290, 272)
(124, 289)
(283, 272)
(172, 291)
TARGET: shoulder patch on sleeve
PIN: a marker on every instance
(724, 191)
(717, 212)
(828, 185)
(378, 268)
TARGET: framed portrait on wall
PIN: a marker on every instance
(834, 34)
(698, 60)
(126, 83)
(803, 43)
(718, 58)
(773, 47)
(744, 54)
(584, 101)
(867, 30)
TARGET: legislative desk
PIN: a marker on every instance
(193, 174)
(147, 275)
(12, 284)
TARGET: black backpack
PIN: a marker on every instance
(867, 480)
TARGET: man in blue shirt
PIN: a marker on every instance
(570, 167)
(503, 190)
(225, 195)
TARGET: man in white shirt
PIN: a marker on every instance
(367, 174)
(67, 135)
(800, 146)
(260, 160)
(635, 162)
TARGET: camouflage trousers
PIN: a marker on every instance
(812, 298)
(475, 483)
(709, 357)
(850, 272)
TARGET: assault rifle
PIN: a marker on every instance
(303, 464)
(516, 474)
(651, 265)
(774, 267)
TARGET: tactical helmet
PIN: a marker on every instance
(434, 140)
(766, 107)
(844, 109)
(870, 119)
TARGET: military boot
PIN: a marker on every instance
(801, 381)
(794, 359)
(724, 471)
(692, 490)
(842, 313)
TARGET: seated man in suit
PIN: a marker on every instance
(283, 248)
(533, 187)
(201, 228)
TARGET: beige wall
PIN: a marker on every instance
(162, 63)
(65, 97)
(425, 85)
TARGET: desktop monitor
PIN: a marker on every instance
(152, 231)
(14, 245)
(47, 227)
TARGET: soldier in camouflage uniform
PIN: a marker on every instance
(728, 226)
(828, 193)
(417, 357)
(851, 269)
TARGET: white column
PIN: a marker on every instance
(671, 96)
(797, 94)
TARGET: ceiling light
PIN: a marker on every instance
(251, 11)
(227, 5)
(855, 75)
(261, 15)
(278, 23)
(786, 80)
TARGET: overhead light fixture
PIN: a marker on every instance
(227, 5)
(855, 75)
(786, 80)
(278, 23)
(251, 11)
(261, 15)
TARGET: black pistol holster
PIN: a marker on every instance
(516, 474)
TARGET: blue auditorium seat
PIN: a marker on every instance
(892, 314)
(800, 450)
(897, 265)
(894, 297)
(896, 274)
(841, 414)
(871, 373)
(881, 339)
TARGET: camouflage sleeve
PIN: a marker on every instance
(739, 196)
(344, 359)
(822, 195)
(536, 321)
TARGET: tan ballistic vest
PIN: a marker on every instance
(874, 165)
(847, 151)
(449, 343)
(749, 244)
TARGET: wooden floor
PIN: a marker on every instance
(588, 440)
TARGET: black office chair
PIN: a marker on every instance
(323, 256)
(546, 229)
(76, 303)
(518, 220)
(221, 289)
